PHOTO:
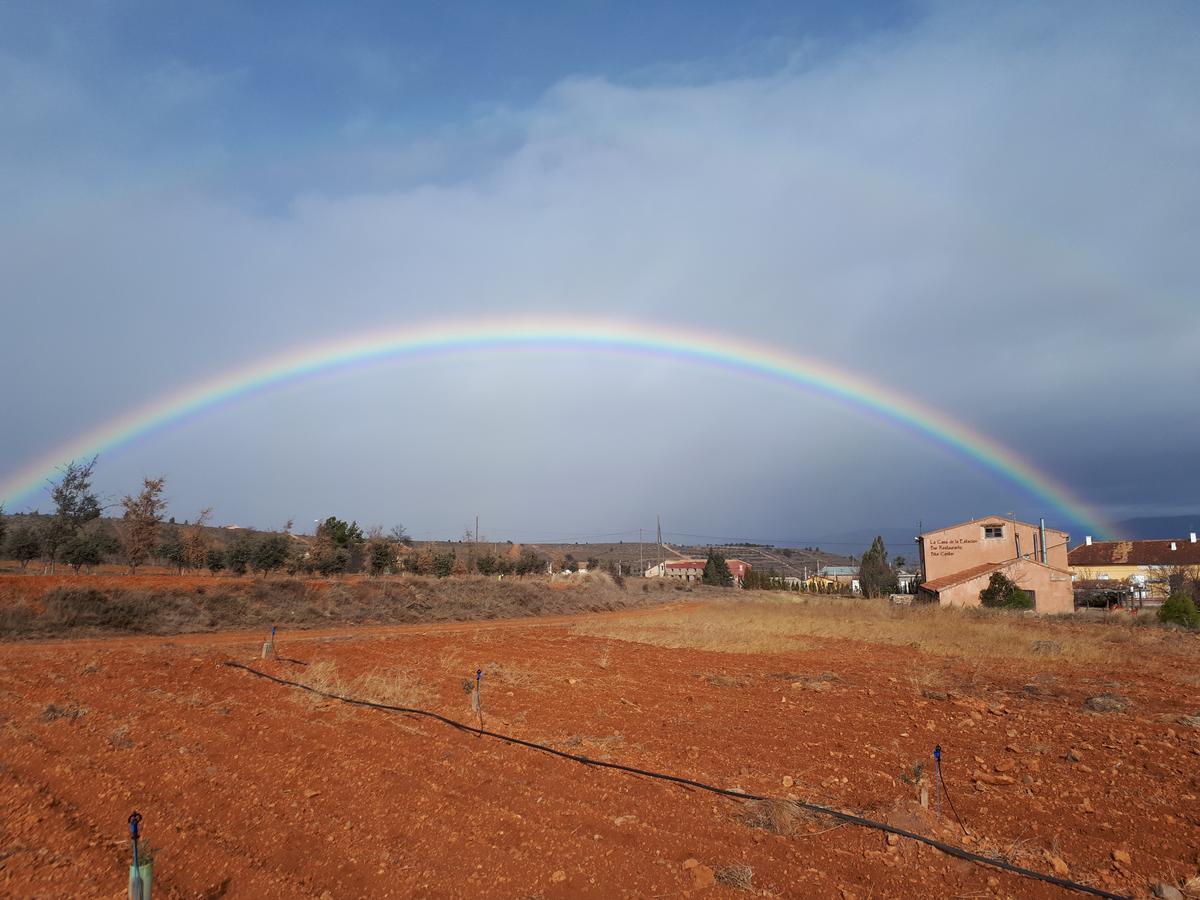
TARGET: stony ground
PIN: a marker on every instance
(250, 789)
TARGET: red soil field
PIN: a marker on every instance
(251, 789)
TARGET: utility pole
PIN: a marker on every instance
(641, 565)
(477, 528)
(662, 556)
(921, 549)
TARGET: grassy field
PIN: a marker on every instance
(781, 623)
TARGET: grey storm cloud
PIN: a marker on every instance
(992, 209)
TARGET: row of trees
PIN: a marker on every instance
(74, 534)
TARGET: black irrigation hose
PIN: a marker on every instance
(846, 817)
(946, 791)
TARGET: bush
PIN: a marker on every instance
(1003, 593)
(238, 554)
(269, 552)
(443, 564)
(1179, 609)
(381, 556)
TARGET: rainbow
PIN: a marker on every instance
(596, 336)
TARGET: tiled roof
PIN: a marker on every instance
(939, 584)
(1136, 553)
(965, 575)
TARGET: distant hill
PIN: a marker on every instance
(1149, 528)
(899, 541)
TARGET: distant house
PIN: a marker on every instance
(693, 570)
(842, 576)
(1147, 567)
(958, 561)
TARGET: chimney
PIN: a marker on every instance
(1088, 540)
(1172, 545)
(1192, 537)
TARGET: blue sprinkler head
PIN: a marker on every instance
(937, 753)
(134, 820)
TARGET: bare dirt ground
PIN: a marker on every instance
(250, 789)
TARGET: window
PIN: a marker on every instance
(991, 532)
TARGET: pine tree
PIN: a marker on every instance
(875, 576)
(716, 571)
(74, 506)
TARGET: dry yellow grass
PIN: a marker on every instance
(395, 687)
(781, 624)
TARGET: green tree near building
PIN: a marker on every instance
(530, 562)
(716, 571)
(1002, 593)
(875, 577)
(1179, 609)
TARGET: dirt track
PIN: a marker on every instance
(254, 790)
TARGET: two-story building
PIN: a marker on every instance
(957, 562)
(693, 570)
(1145, 567)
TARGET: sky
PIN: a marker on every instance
(992, 208)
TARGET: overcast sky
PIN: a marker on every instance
(993, 207)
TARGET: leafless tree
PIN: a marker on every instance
(195, 543)
(139, 527)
